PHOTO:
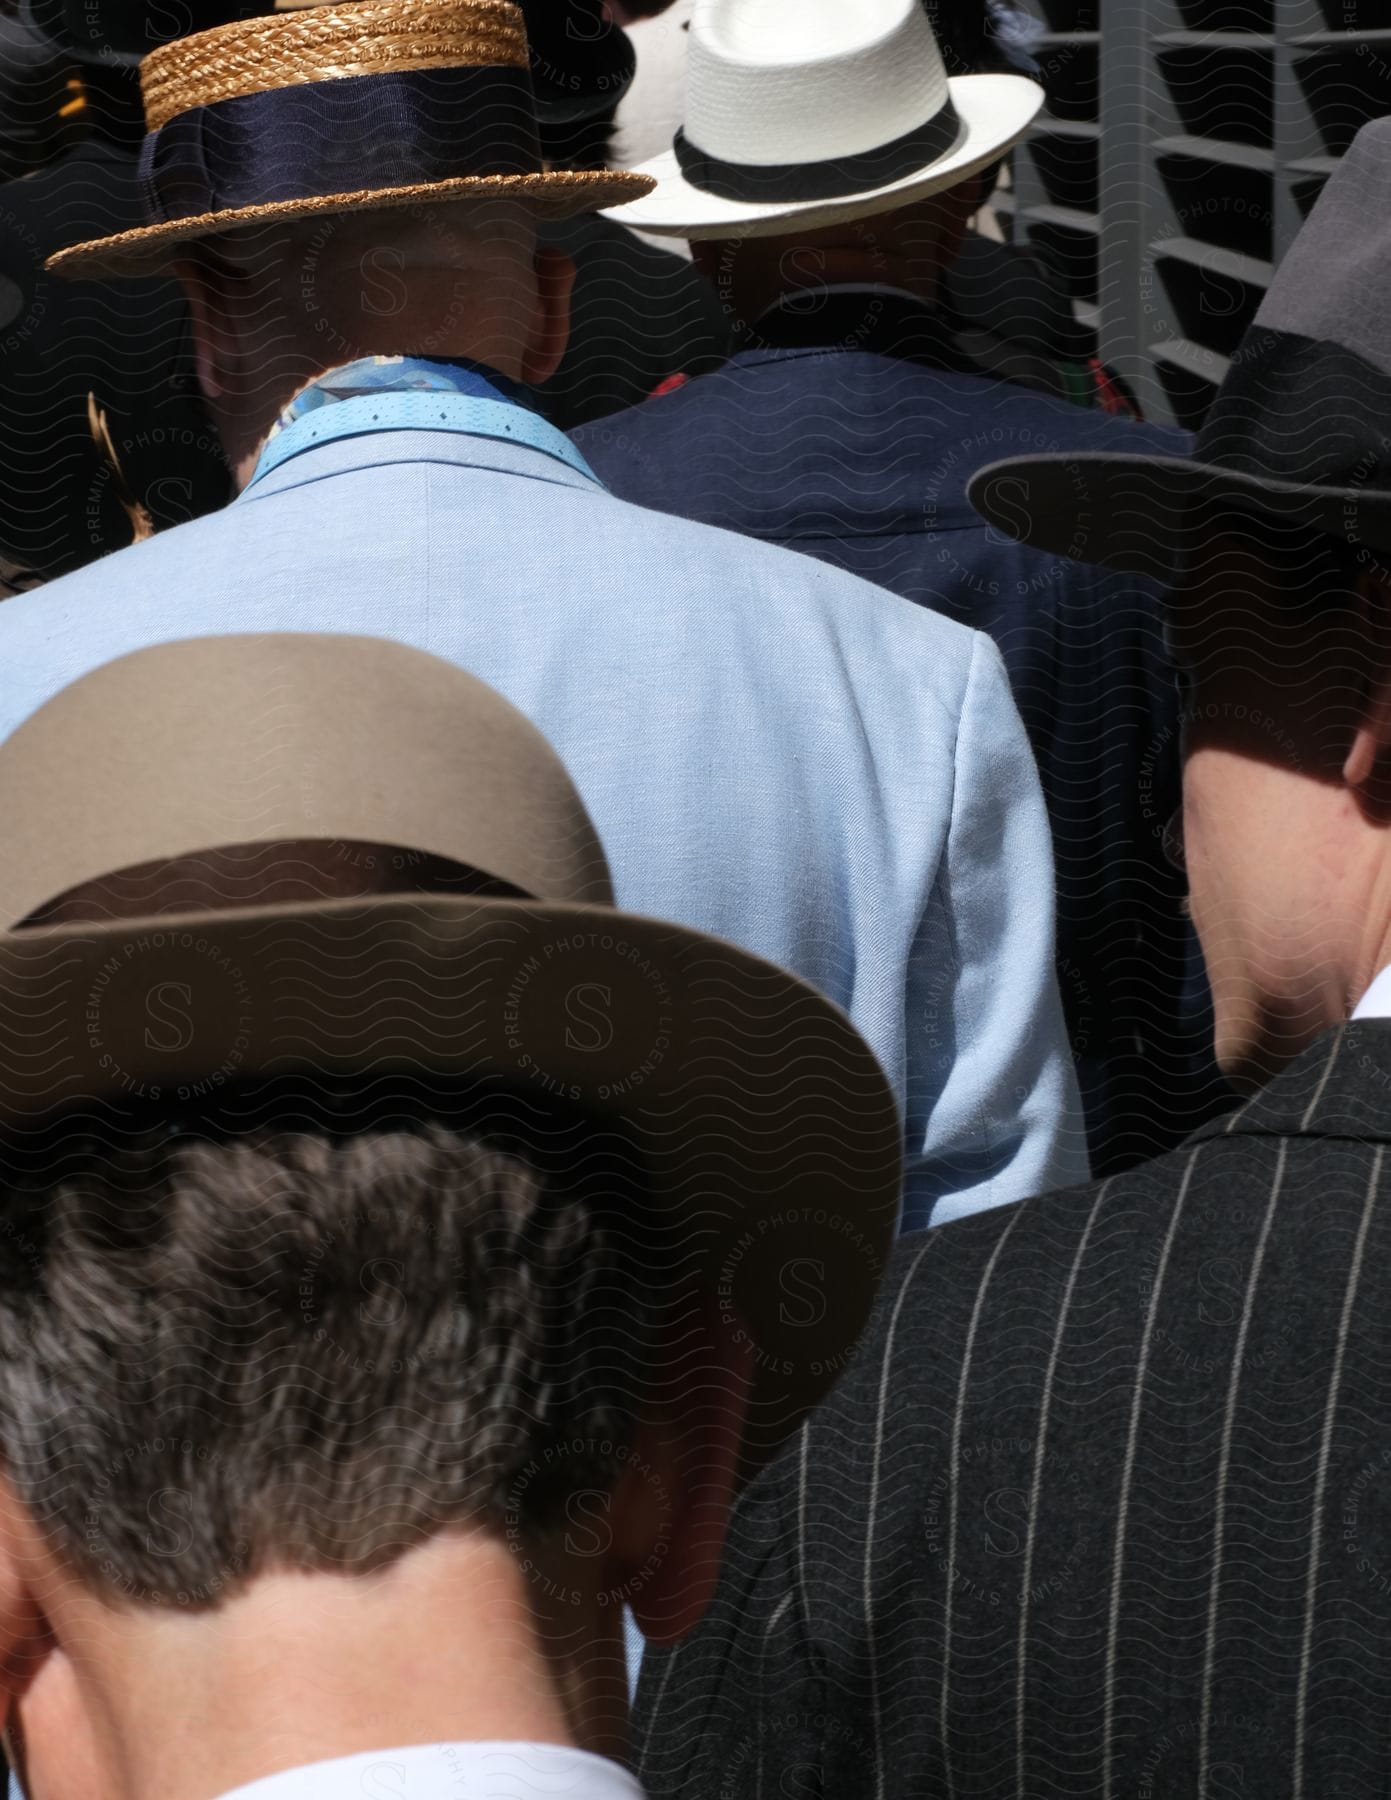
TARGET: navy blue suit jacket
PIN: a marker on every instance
(859, 454)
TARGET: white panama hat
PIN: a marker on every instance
(813, 111)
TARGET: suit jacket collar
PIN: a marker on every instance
(1339, 1088)
(384, 449)
(879, 321)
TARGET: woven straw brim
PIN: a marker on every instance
(151, 249)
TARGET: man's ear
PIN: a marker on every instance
(1371, 740)
(676, 1511)
(555, 280)
(51, 1740)
(213, 343)
(25, 1638)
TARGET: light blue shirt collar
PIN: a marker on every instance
(404, 393)
(457, 1771)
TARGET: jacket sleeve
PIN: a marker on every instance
(992, 1107)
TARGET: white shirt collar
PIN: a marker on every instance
(460, 1771)
(1376, 1002)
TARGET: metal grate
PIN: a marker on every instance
(1182, 144)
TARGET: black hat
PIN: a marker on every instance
(117, 33)
(33, 89)
(1300, 430)
(582, 64)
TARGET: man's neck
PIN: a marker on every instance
(762, 281)
(300, 1669)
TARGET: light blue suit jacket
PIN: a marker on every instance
(771, 750)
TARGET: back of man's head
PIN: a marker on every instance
(274, 307)
(310, 1348)
(305, 1366)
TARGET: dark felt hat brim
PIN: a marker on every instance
(1145, 515)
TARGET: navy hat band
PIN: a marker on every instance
(340, 136)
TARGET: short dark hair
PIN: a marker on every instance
(305, 1347)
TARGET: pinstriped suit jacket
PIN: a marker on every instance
(1103, 1506)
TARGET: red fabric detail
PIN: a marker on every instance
(1110, 397)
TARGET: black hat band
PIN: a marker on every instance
(830, 180)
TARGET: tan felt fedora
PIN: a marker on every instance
(768, 1133)
(362, 107)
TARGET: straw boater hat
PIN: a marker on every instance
(1297, 434)
(335, 109)
(581, 63)
(765, 1130)
(800, 113)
